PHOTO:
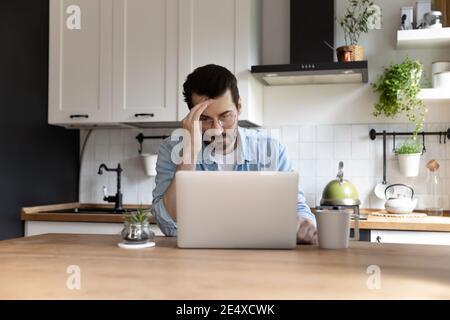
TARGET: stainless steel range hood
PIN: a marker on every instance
(312, 73)
(312, 61)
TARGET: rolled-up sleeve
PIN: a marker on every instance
(303, 209)
(165, 172)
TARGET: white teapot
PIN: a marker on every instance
(400, 199)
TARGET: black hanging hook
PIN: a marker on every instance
(140, 138)
(393, 141)
(423, 143)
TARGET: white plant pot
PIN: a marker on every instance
(409, 164)
(149, 163)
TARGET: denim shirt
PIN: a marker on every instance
(255, 152)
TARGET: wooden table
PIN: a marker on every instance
(35, 267)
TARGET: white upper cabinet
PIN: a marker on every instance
(80, 66)
(224, 32)
(145, 37)
(125, 61)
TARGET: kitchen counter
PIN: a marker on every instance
(40, 213)
(428, 223)
(373, 223)
(35, 267)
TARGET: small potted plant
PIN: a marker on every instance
(358, 19)
(136, 227)
(408, 155)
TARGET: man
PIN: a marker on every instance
(216, 142)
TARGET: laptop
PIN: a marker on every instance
(234, 209)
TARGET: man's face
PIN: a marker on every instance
(219, 121)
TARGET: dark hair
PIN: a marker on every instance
(212, 81)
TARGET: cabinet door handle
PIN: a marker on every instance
(379, 239)
(137, 115)
(72, 116)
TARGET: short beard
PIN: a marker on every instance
(226, 144)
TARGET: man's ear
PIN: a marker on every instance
(239, 106)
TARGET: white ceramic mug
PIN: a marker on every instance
(149, 162)
(333, 228)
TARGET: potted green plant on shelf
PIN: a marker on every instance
(358, 19)
(136, 227)
(399, 88)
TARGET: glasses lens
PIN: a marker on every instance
(225, 121)
(228, 119)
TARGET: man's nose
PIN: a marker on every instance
(217, 126)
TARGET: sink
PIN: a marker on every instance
(95, 210)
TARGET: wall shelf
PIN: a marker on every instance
(423, 38)
(432, 94)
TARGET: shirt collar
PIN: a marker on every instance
(243, 148)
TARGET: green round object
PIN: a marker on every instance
(340, 192)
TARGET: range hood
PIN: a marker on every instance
(312, 61)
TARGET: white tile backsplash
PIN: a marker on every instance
(307, 168)
(307, 150)
(342, 150)
(361, 150)
(118, 146)
(360, 133)
(342, 134)
(363, 159)
(325, 150)
(314, 151)
(307, 133)
(324, 133)
(289, 134)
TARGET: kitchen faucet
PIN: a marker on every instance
(117, 199)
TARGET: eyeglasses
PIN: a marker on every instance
(226, 120)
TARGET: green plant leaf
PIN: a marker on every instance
(399, 88)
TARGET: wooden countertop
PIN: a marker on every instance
(38, 213)
(35, 268)
(428, 223)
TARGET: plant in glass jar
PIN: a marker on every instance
(136, 227)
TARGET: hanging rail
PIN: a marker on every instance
(373, 135)
(140, 138)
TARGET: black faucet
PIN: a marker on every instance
(117, 199)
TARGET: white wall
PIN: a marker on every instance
(346, 103)
(323, 124)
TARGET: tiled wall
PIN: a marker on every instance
(111, 147)
(314, 150)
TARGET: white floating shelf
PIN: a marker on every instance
(432, 94)
(423, 38)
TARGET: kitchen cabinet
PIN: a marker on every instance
(80, 62)
(230, 39)
(145, 37)
(123, 62)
